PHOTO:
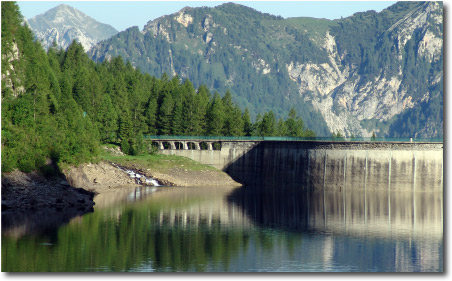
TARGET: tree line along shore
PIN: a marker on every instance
(61, 106)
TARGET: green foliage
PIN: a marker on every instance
(215, 116)
(222, 66)
(70, 105)
(266, 125)
(126, 135)
(165, 114)
(295, 125)
(337, 136)
(42, 121)
(107, 121)
(247, 125)
(151, 116)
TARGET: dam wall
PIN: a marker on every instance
(313, 165)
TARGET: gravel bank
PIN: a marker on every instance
(28, 191)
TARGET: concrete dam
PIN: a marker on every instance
(316, 165)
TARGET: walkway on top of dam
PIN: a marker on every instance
(218, 142)
(320, 139)
(215, 142)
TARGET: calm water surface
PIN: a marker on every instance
(229, 230)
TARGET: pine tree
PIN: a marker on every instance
(108, 121)
(126, 135)
(229, 118)
(165, 115)
(294, 124)
(215, 116)
(268, 125)
(257, 125)
(177, 121)
(202, 101)
(282, 129)
(151, 116)
(235, 123)
(191, 118)
(247, 125)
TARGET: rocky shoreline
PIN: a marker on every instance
(77, 188)
(32, 191)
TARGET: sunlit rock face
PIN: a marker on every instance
(63, 24)
(345, 97)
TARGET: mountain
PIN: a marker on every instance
(371, 72)
(63, 24)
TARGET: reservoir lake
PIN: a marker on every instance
(225, 229)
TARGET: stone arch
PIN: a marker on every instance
(216, 146)
(166, 145)
(191, 145)
(179, 145)
(203, 145)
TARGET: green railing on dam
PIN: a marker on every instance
(257, 138)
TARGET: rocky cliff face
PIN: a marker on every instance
(63, 24)
(11, 78)
(345, 98)
(371, 72)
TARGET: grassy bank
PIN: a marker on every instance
(171, 169)
(158, 163)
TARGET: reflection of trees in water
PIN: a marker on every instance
(154, 235)
(17, 224)
(195, 233)
(117, 243)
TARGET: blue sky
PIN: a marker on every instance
(124, 14)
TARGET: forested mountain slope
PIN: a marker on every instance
(369, 72)
(59, 107)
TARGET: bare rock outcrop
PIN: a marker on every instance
(27, 191)
(98, 177)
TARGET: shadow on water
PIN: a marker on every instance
(379, 213)
(38, 222)
(273, 208)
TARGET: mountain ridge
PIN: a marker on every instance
(368, 73)
(63, 24)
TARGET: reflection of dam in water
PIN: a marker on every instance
(404, 214)
(380, 214)
(210, 207)
(181, 206)
(365, 229)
